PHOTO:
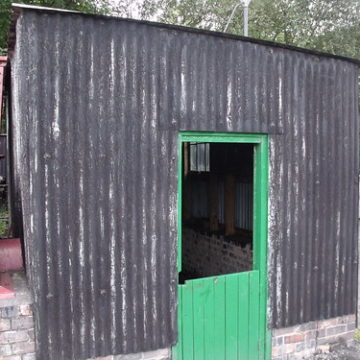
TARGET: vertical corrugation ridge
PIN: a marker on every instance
(355, 261)
(254, 87)
(337, 139)
(222, 82)
(87, 184)
(214, 87)
(299, 149)
(105, 145)
(294, 196)
(69, 183)
(77, 226)
(96, 120)
(325, 196)
(161, 68)
(121, 318)
(229, 94)
(300, 144)
(143, 220)
(352, 229)
(309, 183)
(316, 203)
(353, 255)
(131, 164)
(53, 160)
(286, 212)
(114, 155)
(344, 170)
(38, 185)
(331, 175)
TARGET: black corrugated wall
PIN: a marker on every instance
(97, 107)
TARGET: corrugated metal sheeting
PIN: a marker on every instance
(243, 203)
(244, 206)
(97, 106)
(200, 199)
(313, 194)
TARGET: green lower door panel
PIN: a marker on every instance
(219, 318)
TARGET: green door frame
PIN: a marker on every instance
(260, 220)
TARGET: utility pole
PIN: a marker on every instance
(246, 17)
(245, 4)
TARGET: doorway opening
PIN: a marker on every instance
(217, 209)
(222, 308)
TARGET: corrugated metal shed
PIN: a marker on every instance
(97, 106)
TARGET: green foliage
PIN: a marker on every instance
(331, 26)
(5, 13)
(357, 334)
(3, 221)
(211, 14)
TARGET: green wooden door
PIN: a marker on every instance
(224, 317)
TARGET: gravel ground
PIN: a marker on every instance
(340, 352)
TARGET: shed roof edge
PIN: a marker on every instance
(19, 7)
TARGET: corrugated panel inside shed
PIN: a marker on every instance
(97, 106)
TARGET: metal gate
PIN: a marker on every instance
(224, 317)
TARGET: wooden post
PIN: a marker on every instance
(3, 62)
(213, 202)
(230, 204)
(186, 158)
(187, 196)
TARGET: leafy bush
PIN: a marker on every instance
(4, 221)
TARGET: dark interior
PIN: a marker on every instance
(217, 209)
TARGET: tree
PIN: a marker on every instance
(88, 6)
(315, 24)
(331, 26)
(210, 14)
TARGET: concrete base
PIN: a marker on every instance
(16, 322)
(162, 354)
(303, 340)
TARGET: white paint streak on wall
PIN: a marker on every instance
(272, 239)
(81, 241)
(183, 91)
(143, 218)
(56, 119)
(229, 101)
(281, 108)
(91, 145)
(337, 253)
(112, 200)
(49, 295)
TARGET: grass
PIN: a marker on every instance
(4, 221)
(357, 334)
